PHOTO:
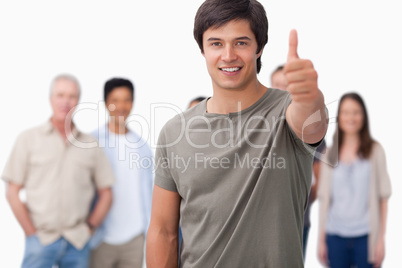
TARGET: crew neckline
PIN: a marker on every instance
(255, 104)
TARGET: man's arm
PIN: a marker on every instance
(306, 115)
(19, 209)
(163, 237)
(101, 208)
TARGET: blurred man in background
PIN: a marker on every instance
(195, 101)
(123, 232)
(60, 175)
(278, 78)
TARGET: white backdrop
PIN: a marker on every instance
(355, 46)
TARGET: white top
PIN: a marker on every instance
(132, 161)
(349, 213)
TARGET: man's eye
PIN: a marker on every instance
(216, 44)
(241, 43)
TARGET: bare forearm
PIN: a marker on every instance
(21, 213)
(309, 120)
(101, 208)
(162, 249)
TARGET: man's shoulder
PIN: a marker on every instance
(175, 122)
(179, 121)
(277, 96)
(195, 111)
(85, 137)
(100, 132)
(273, 103)
(174, 129)
(31, 132)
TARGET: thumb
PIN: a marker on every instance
(292, 54)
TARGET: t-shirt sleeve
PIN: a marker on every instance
(163, 175)
(103, 172)
(15, 170)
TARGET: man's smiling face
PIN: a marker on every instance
(231, 55)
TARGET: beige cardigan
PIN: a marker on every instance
(380, 187)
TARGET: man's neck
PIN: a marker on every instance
(225, 101)
(61, 128)
(117, 128)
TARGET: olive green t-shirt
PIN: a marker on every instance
(244, 179)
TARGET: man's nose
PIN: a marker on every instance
(229, 54)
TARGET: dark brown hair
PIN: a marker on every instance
(216, 13)
(366, 141)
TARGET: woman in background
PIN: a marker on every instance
(353, 192)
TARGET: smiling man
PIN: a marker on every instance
(122, 234)
(244, 205)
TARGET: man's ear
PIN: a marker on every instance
(260, 53)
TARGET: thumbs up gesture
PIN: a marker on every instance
(300, 74)
(307, 99)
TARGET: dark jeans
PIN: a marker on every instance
(348, 252)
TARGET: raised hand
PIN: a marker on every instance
(307, 99)
(300, 74)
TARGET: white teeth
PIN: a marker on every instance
(231, 69)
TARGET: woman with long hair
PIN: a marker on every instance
(353, 192)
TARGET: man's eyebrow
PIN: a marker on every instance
(243, 38)
(214, 39)
(238, 38)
